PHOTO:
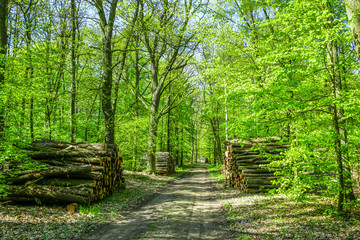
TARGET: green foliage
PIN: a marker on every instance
(272, 62)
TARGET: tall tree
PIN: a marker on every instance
(107, 28)
(73, 72)
(169, 45)
(3, 49)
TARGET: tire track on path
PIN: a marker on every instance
(186, 209)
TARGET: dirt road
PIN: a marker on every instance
(186, 209)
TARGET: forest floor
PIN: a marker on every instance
(34, 222)
(192, 206)
(185, 209)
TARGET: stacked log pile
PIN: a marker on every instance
(70, 173)
(164, 163)
(245, 161)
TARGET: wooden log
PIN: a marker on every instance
(259, 180)
(47, 193)
(90, 175)
(253, 161)
(259, 170)
(257, 175)
(67, 154)
(64, 182)
(261, 186)
(20, 199)
(51, 172)
(248, 157)
(46, 143)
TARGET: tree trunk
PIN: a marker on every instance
(107, 79)
(45, 192)
(107, 88)
(192, 149)
(106, 91)
(73, 74)
(352, 10)
(177, 145)
(344, 174)
(168, 145)
(3, 49)
(182, 147)
(152, 142)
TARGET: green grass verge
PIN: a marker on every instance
(215, 173)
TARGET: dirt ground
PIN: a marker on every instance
(186, 209)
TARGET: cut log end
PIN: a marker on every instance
(72, 207)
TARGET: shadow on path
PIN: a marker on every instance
(186, 209)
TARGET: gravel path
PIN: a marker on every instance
(186, 209)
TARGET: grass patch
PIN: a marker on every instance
(215, 173)
(185, 167)
(92, 209)
(180, 170)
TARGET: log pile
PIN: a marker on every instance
(245, 161)
(71, 173)
(164, 163)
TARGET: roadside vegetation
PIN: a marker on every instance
(279, 216)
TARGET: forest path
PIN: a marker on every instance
(186, 209)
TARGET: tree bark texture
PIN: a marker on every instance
(73, 74)
(3, 48)
(107, 79)
(352, 10)
(153, 130)
(335, 79)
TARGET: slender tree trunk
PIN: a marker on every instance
(217, 142)
(344, 172)
(29, 69)
(161, 132)
(332, 57)
(337, 143)
(137, 95)
(152, 142)
(182, 147)
(73, 74)
(168, 145)
(192, 149)
(3, 50)
(177, 145)
(32, 134)
(196, 141)
(23, 109)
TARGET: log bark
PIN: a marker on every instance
(68, 154)
(51, 172)
(66, 182)
(47, 193)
